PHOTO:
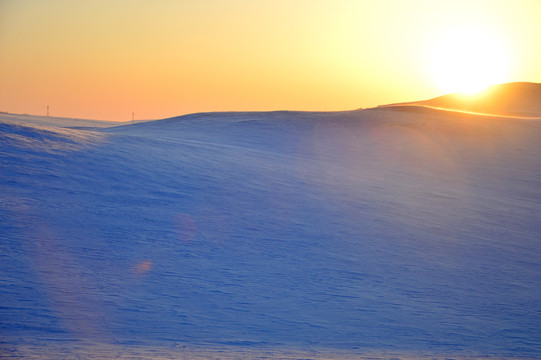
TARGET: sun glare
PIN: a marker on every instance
(468, 59)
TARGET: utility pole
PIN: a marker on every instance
(132, 117)
(47, 110)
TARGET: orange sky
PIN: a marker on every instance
(104, 59)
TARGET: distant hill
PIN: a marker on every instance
(509, 99)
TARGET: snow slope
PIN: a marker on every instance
(36, 120)
(392, 231)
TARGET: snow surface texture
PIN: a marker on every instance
(387, 232)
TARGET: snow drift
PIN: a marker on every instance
(405, 230)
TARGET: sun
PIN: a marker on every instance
(468, 59)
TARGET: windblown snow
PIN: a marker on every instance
(392, 232)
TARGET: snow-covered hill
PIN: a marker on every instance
(273, 234)
(519, 99)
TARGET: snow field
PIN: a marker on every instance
(385, 231)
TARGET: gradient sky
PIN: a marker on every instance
(104, 59)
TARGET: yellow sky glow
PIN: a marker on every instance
(105, 59)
